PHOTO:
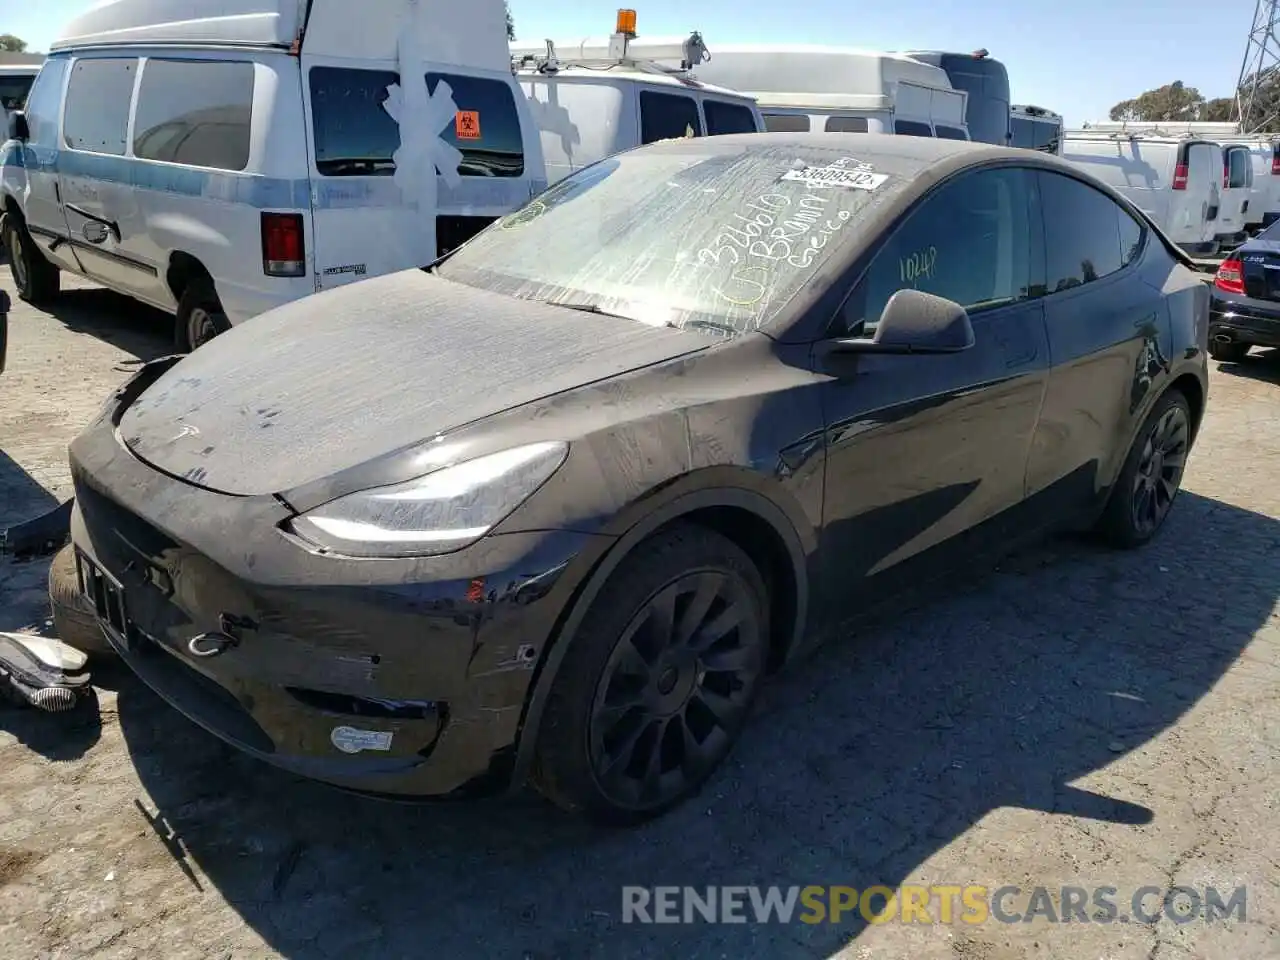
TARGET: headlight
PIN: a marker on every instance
(433, 514)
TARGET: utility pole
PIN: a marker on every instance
(1259, 68)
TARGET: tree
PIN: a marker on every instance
(511, 24)
(1264, 111)
(1219, 110)
(1173, 101)
(11, 44)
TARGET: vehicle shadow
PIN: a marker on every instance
(861, 764)
(1264, 365)
(135, 328)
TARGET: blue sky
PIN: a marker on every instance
(1077, 57)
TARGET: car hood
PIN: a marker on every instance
(335, 380)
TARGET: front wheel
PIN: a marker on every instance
(659, 679)
(35, 277)
(1144, 492)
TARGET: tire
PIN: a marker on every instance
(200, 316)
(74, 621)
(1232, 352)
(1130, 519)
(668, 703)
(36, 279)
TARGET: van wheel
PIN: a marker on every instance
(200, 317)
(35, 277)
(658, 681)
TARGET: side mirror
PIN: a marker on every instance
(18, 128)
(914, 322)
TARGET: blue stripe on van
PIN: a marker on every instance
(261, 193)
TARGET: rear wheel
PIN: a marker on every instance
(659, 679)
(200, 316)
(1144, 492)
(35, 277)
(1232, 352)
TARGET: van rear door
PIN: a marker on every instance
(1194, 202)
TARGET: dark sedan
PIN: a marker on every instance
(1245, 304)
(554, 507)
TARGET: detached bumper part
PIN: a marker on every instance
(42, 672)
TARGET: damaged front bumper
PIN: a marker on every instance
(405, 678)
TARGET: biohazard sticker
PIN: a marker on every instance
(351, 740)
(467, 125)
(846, 172)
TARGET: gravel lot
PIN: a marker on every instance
(1078, 717)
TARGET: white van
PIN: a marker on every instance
(219, 166)
(591, 99)
(801, 88)
(1264, 192)
(1177, 181)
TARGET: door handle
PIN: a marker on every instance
(94, 232)
(110, 225)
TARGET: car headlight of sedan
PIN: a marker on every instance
(439, 512)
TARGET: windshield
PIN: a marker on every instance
(683, 234)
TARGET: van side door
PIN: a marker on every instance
(96, 174)
(31, 171)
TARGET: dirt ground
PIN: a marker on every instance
(1078, 717)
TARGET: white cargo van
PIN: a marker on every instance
(801, 88)
(217, 165)
(591, 99)
(1236, 173)
(1264, 192)
(1177, 181)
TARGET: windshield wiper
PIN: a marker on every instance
(706, 325)
(584, 308)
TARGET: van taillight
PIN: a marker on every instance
(1230, 279)
(1180, 177)
(1275, 159)
(284, 250)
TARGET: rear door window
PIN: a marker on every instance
(1082, 232)
(668, 116)
(786, 123)
(727, 118)
(98, 97)
(1238, 168)
(912, 128)
(355, 136)
(43, 103)
(195, 112)
(950, 133)
(14, 89)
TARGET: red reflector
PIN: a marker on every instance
(284, 251)
(1275, 164)
(1230, 279)
(1180, 177)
